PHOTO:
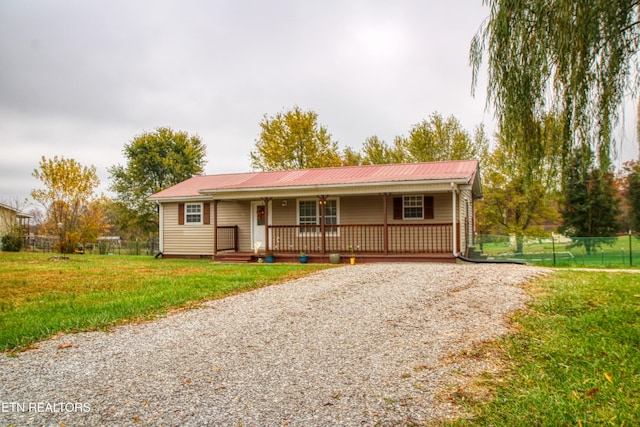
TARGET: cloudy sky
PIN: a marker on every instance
(79, 79)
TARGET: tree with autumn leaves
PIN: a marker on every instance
(73, 213)
(156, 160)
(519, 200)
(294, 140)
(629, 187)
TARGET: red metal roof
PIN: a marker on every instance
(458, 170)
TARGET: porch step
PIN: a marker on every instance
(235, 257)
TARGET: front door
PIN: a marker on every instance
(258, 222)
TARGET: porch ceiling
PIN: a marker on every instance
(344, 190)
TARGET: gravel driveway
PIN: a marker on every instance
(352, 346)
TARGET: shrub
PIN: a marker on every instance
(11, 243)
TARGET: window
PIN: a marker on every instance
(310, 216)
(412, 207)
(260, 214)
(331, 216)
(193, 213)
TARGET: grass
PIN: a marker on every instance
(40, 297)
(575, 360)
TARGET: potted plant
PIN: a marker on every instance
(270, 258)
(304, 258)
(352, 259)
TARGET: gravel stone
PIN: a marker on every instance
(355, 345)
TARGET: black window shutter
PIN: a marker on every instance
(428, 207)
(397, 208)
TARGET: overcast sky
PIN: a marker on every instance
(79, 79)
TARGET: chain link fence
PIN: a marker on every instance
(558, 250)
(103, 246)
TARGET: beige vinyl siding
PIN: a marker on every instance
(283, 215)
(368, 210)
(363, 210)
(238, 213)
(465, 219)
(7, 219)
(188, 239)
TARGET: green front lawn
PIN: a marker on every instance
(41, 296)
(575, 360)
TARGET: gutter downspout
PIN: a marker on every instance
(160, 227)
(453, 222)
(215, 227)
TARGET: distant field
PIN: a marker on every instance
(41, 294)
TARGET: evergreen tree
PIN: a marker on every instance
(590, 206)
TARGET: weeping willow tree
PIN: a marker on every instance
(578, 57)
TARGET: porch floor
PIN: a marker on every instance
(241, 257)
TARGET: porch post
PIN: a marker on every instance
(453, 222)
(323, 203)
(215, 227)
(473, 219)
(385, 238)
(266, 201)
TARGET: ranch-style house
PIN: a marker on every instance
(414, 211)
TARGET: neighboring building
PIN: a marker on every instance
(10, 217)
(419, 211)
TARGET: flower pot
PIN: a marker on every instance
(334, 258)
(270, 258)
(304, 259)
(352, 260)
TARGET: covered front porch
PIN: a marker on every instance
(373, 242)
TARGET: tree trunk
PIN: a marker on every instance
(519, 244)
